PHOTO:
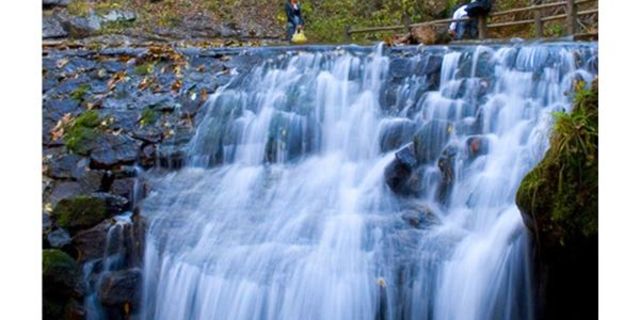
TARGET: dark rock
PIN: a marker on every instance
(86, 211)
(446, 164)
(63, 167)
(123, 187)
(62, 3)
(419, 218)
(477, 146)
(431, 139)
(148, 134)
(80, 27)
(401, 67)
(46, 222)
(157, 102)
(65, 189)
(60, 273)
(55, 109)
(92, 181)
(148, 155)
(108, 150)
(396, 134)
(402, 176)
(121, 287)
(58, 238)
(90, 244)
(114, 66)
(52, 28)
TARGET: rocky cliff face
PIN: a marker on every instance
(559, 204)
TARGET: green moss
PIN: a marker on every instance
(81, 131)
(560, 195)
(80, 212)
(116, 27)
(148, 116)
(79, 8)
(60, 276)
(144, 69)
(80, 92)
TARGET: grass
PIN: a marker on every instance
(144, 69)
(148, 117)
(561, 193)
(80, 92)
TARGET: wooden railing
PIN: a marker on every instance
(571, 15)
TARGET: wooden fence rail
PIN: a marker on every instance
(571, 15)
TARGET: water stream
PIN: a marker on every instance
(283, 211)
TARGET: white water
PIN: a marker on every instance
(283, 212)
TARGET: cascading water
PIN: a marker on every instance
(293, 205)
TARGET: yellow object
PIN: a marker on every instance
(298, 37)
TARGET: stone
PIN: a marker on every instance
(119, 15)
(431, 139)
(446, 165)
(52, 28)
(108, 150)
(401, 67)
(65, 189)
(62, 3)
(58, 238)
(396, 134)
(63, 167)
(150, 134)
(60, 272)
(419, 218)
(85, 211)
(80, 27)
(401, 175)
(123, 187)
(90, 244)
(477, 146)
(121, 287)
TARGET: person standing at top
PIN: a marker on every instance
(462, 29)
(294, 17)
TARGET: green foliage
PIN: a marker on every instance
(81, 131)
(144, 69)
(80, 92)
(116, 27)
(553, 30)
(80, 212)
(79, 7)
(561, 193)
(148, 116)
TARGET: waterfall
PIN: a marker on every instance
(293, 203)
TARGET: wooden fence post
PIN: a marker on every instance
(482, 27)
(571, 17)
(347, 33)
(537, 15)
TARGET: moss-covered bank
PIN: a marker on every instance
(558, 200)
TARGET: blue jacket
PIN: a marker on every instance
(294, 16)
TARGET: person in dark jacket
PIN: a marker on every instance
(294, 17)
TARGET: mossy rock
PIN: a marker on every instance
(558, 200)
(80, 212)
(79, 134)
(559, 197)
(60, 272)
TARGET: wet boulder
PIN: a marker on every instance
(121, 287)
(401, 68)
(51, 3)
(396, 133)
(401, 175)
(419, 217)
(446, 165)
(90, 244)
(477, 146)
(123, 187)
(430, 140)
(63, 166)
